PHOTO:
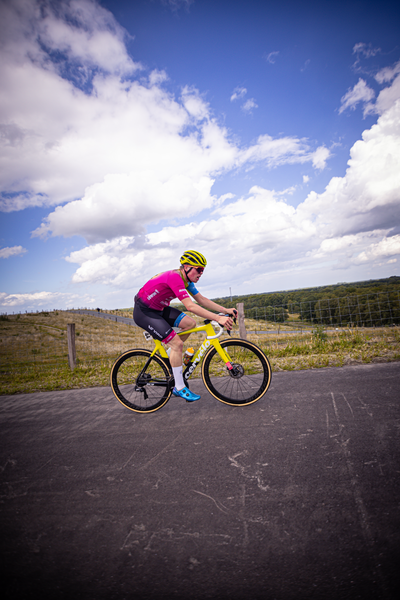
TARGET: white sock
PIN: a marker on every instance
(178, 376)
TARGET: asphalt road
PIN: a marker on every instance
(294, 497)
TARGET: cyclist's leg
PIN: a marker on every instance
(160, 326)
(176, 345)
(187, 323)
(175, 358)
(152, 321)
(178, 319)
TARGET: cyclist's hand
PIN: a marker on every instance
(226, 321)
(233, 313)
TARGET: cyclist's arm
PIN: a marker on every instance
(198, 310)
(211, 305)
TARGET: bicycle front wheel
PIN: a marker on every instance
(141, 382)
(249, 379)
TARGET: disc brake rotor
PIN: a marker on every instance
(237, 371)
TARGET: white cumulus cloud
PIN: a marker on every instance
(238, 93)
(353, 221)
(272, 56)
(42, 300)
(249, 105)
(365, 50)
(383, 249)
(13, 251)
(387, 74)
(361, 92)
(115, 151)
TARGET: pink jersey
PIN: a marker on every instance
(158, 292)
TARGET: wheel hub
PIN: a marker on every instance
(237, 371)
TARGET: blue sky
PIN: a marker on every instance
(265, 135)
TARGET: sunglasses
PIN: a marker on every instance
(200, 270)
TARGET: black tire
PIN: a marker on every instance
(249, 379)
(152, 392)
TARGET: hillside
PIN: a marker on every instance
(313, 294)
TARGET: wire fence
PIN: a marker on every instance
(368, 310)
(40, 339)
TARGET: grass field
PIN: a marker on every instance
(34, 351)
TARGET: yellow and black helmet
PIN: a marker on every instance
(193, 258)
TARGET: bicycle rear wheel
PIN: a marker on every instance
(249, 379)
(141, 382)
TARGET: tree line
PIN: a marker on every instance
(363, 303)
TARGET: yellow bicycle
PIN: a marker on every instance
(234, 371)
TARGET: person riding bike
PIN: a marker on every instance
(152, 311)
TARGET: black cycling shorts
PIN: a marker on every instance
(158, 323)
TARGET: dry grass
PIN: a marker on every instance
(318, 348)
(34, 351)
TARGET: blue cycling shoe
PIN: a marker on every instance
(186, 394)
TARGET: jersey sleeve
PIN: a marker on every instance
(192, 289)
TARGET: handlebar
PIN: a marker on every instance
(227, 315)
(221, 328)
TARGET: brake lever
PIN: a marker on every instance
(228, 315)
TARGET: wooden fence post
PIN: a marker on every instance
(242, 328)
(71, 346)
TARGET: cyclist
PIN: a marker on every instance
(153, 313)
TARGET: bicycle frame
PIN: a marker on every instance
(234, 371)
(211, 340)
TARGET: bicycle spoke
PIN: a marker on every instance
(249, 379)
(236, 389)
(138, 388)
